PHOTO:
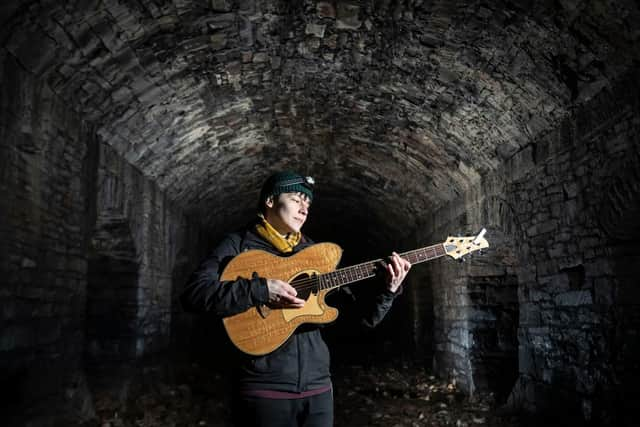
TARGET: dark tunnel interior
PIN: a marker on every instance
(135, 134)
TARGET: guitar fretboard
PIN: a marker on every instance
(365, 270)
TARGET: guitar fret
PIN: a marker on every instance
(371, 269)
(363, 271)
(424, 254)
(366, 270)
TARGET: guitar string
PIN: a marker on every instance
(313, 281)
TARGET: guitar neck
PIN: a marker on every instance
(355, 273)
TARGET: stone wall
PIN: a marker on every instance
(138, 246)
(559, 226)
(43, 234)
(84, 236)
(574, 302)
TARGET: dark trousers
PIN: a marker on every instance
(314, 411)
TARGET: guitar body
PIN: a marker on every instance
(260, 330)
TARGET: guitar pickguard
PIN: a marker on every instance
(312, 307)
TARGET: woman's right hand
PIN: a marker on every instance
(283, 295)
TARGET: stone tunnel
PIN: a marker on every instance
(135, 133)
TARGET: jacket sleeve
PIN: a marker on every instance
(370, 302)
(374, 311)
(204, 292)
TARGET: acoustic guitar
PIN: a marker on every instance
(312, 272)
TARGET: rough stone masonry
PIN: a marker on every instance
(133, 133)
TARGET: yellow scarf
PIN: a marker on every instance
(284, 244)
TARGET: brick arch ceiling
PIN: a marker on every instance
(408, 102)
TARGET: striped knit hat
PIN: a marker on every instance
(286, 182)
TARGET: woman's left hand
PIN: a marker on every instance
(397, 269)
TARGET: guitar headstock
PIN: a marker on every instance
(457, 247)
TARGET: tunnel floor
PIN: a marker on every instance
(380, 395)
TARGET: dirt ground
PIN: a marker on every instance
(364, 396)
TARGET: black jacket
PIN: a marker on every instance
(302, 362)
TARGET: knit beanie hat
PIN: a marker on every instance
(286, 182)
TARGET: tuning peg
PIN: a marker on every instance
(480, 236)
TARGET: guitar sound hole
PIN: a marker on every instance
(305, 284)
